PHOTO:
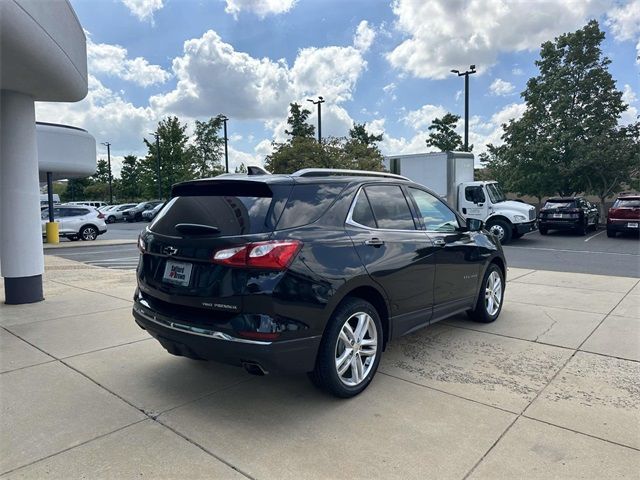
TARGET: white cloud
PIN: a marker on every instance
(501, 87)
(143, 9)
(262, 8)
(630, 115)
(390, 90)
(517, 71)
(445, 34)
(423, 117)
(624, 21)
(107, 59)
(212, 74)
(364, 36)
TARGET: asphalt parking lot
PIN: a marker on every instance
(550, 390)
(558, 251)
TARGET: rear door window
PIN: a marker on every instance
(362, 213)
(307, 203)
(390, 207)
(238, 209)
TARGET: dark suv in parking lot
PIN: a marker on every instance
(310, 272)
(568, 213)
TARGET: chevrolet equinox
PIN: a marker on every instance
(310, 272)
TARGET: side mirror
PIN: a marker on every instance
(474, 225)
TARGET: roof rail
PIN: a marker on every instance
(330, 172)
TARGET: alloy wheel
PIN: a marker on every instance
(89, 233)
(493, 293)
(356, 349)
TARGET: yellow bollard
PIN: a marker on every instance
(52, 232)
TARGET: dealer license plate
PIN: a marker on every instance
(632, 225)
(177, 273)
(557, 215)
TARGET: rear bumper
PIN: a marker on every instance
(286, 356)
(623, 226)
(568, 224)
(523, 228)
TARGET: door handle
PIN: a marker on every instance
(438, 242)
(374, 242)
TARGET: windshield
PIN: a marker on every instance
(495, 193)
(141, 205)
(559, 204)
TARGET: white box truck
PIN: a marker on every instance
(450, 175)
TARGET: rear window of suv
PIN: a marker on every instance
(627, 202)
(560, 204)
(244, 208)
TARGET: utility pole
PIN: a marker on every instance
(471, 71)
(318, 102)
(158, 164)
(226, 151)
(108, 145)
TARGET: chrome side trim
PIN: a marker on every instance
(203, 332)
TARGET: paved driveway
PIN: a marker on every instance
(550, 390)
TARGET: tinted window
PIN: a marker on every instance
(474, 194)
(627, 202)
(251, 210)
(390, 208)
(559, 204)
(307, 203)
(437, 217)
(362, 212)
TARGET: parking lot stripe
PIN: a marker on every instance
(595, 235)
(575, 251)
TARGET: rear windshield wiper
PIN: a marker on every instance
(196, 229)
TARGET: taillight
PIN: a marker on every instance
(100, 215)
(141, 244)
(275, 255)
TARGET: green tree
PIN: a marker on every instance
(297, 121)
(361, 151)
(242, 168)
(572, 108)
(129, 186)
(208, 148)
(102, 172)
(75, 189)
(176, 158)
(443, 134)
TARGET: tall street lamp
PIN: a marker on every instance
(318, 102)
(158, 164)
(471, 71)
(224, 119)
(108, 145)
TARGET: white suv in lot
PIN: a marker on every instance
(76, 221)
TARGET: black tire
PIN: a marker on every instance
(501, 229)
(138, 217)
(596, 224)
(583, 228)
(88, 233)
(611, 233)
(516, 235)
(111, 219)
(480, 312)
(543, 230)
(325, 375)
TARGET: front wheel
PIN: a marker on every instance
(490, 299)
(501, 229)
(350, 350)
(610, 233)
(88, 232)
(111, 219)
(543, 230)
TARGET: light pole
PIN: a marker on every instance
(318, 102)
(108, 145)
(471, 71)
(158, 164)
(224, 119)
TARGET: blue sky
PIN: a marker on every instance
(380, 62)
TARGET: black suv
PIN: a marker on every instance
(568, 213)
(310, 272)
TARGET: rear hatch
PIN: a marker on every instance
(205, 217)
(559, 210)
(625, 209)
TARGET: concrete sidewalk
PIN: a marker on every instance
(550, 390)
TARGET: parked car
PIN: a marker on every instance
(76, 222)
(149, 215)
(624, 215)
(116, 212)
(134, 214)
(311, 272)
(90, 203)
(568, 213)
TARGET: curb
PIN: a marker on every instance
(95, 243)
